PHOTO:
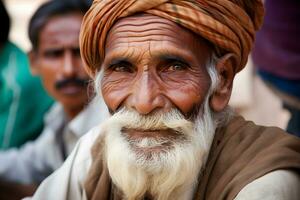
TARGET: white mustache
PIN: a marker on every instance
(131, 119)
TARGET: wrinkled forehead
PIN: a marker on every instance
(142, 29)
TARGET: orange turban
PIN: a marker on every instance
(228, 24)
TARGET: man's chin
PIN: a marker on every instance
(151, 164)
(151, 143)
(149, 153)
(160, 154)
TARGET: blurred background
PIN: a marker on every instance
(20, 13)
(250, 96)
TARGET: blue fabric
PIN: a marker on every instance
(290, 87)
(293, 126)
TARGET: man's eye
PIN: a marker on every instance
(122, 68)
(76, 52)
(53, 53)
(176, 66)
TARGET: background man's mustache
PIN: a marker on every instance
(71, 81)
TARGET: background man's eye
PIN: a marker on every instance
(76, 52)
(53, 53)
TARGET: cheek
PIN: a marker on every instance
(51, 64)
(79, 65)
(48, 75)
(49, 84)
(82, 73)
(187, 93)
(115, 89)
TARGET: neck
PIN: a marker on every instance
(72, 112)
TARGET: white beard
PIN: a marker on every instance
(172, 172)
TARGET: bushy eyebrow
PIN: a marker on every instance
(117, 57)
(168, 57)
(118, 60)
(165, 55)
(174, 54)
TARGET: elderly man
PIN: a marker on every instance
(165, 71)
(55, 57)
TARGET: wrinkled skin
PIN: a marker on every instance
(57, 58)
(152, 64)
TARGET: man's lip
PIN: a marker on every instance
(134, 134)
(71, 89)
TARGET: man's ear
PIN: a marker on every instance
(226, 73)
(33, 62)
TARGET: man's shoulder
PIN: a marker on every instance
(276, 185)
(243, 151)
(84, 146)
(80, 159)
(240, 129)
(83, 122)
(259, 147)
(17, 50)
(54, 113)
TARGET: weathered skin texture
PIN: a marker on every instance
(152, 64)
(58, 58)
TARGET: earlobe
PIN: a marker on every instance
(33, 62)
(225, 69)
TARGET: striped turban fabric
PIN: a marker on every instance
(229, 25)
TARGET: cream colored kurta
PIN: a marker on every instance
(34, 161)
(67, 182)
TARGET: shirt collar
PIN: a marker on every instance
(55, 117)
(93, 114)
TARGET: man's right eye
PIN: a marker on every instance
(53, 53)
(121, 67)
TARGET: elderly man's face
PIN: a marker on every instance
(57, 60)
(152, 64)
(154, 77)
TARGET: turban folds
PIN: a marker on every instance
(229, 25)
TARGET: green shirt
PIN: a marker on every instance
(23, 101)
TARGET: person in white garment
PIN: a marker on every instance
(55, 57)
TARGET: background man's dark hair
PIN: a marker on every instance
(5, 23)
(50, 9)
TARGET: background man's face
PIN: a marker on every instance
(153, 64)
(58, 61)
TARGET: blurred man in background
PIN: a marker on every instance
(55, 57)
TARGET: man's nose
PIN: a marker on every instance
(146, 96)
(68, 64)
